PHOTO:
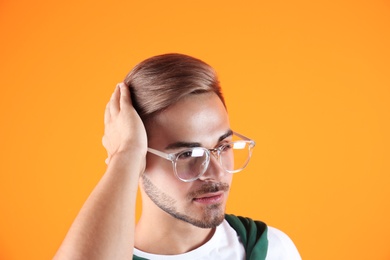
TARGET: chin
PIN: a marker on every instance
(210, 223)
(212, 217)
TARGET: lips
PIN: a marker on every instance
(210, 198)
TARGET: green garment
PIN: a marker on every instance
(253, 235)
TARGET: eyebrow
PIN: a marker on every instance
(196, 144)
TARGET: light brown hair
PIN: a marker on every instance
(161, 81)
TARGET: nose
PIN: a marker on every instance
(214, 171)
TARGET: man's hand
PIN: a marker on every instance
(104, 227)
(124, 131)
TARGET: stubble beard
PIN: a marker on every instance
(212, 216)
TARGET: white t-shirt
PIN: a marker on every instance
(229, 246)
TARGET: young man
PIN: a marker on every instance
(167, 131)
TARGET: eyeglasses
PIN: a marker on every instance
(190, 164)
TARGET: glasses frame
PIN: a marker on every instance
(215, 151)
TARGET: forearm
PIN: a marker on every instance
(104, 228)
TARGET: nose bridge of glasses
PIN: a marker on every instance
(213, 167)
(215, 152)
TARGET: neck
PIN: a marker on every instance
(160, 233)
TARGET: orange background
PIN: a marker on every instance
(308, 80)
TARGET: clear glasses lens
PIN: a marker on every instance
(192, 163)
(235, 156)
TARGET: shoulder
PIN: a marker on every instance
(262, 240)
(245, 224)
(280, 245)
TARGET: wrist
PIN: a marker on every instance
(129, 160)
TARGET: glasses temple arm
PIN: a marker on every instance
(159, 153)
(242, 136)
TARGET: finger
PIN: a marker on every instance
(114, 101)
(125, 99)
(107, 116)
(104, 140)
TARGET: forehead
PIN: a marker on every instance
(198, 118)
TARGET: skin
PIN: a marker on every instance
(105, 226)
(196, 119)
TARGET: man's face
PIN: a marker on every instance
(199, 120)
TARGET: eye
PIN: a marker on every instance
(197, 152)
(185, 155)
(226, 147)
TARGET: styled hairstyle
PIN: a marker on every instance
(161, 81)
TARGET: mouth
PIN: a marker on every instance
(210, 198)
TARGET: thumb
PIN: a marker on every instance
(125, 98)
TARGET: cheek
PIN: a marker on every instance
(156, 166)
(229, 178)
(160, 172)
